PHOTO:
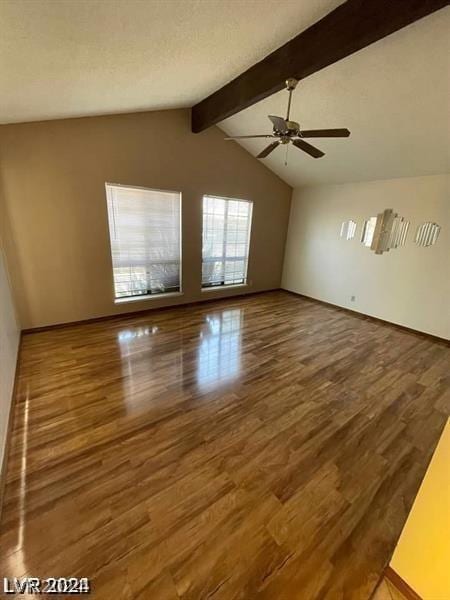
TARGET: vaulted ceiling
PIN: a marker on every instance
(88, 57)
(85, 57)
(393, 96)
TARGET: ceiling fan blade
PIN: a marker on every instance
(279, 123)
(268, 149)
(311, 150)
(241, 137)
(313, 133)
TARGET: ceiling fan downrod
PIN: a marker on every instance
(291, 84)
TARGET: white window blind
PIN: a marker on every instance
(144, 228)
(226, 239)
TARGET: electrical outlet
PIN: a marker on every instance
(352, 298)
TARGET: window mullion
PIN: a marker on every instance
(225, 237)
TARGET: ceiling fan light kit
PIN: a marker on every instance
(286, 131)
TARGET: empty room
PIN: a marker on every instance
(225, 299)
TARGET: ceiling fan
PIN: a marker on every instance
(286, 131)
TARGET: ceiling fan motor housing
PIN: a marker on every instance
(292, 126)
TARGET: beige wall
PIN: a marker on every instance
(9, 342)
(409, 286)
(53, 175)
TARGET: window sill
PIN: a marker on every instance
(147, 297)
(217, 288)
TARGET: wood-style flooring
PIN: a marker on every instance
(260, 448)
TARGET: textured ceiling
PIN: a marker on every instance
(85, 57)
(392, 95)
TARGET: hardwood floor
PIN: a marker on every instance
(267, 447)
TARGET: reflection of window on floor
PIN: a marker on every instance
(141, 361)
(219, 355)
(127, 335)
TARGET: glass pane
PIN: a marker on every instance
(226, 232)
(145, 240)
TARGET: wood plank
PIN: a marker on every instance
(274, 457)
(350, 27)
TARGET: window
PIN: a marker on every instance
(226, 239)
(144, 228)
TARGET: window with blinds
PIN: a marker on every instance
(226, 240)
(144, 227)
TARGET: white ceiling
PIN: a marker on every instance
(86, 57)
(67, 58)
(394, 98)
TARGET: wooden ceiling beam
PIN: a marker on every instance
(352, 26)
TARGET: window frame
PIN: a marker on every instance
(245, 281)
(148, 296)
